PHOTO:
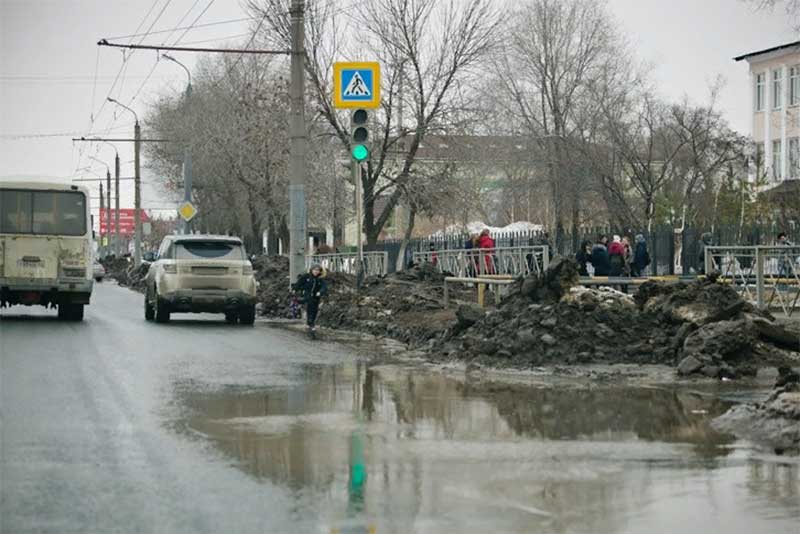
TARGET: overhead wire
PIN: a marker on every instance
(181, 21)
(210, 3)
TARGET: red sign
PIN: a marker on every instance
(126, 222)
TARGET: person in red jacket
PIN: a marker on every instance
(486, 244)
(616, 256)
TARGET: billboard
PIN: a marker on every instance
(126, 222)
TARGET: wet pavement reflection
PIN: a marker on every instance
(364, 448)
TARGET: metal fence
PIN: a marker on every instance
(512, 261)
(768, 276)
(375, 263)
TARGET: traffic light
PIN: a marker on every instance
(359, 134)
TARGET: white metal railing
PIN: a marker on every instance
(375, 263)
(474, 262)
(769, 276)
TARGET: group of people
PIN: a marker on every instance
(617, 258)
(486, 244)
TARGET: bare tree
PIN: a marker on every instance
(558, 52)
(790, 7)
(427, 49)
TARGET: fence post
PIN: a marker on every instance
(481, 294)
(759, 278)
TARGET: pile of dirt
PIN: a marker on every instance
(773, 423)
(123, 271)
(703, 327)
(407, 306)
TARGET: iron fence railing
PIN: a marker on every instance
(473, 262)
(375, 263)
(769, 276)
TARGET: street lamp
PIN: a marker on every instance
(187, 155)
(117, 239)
(107, 246)
(137, 196)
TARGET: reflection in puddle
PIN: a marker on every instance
(414, 452)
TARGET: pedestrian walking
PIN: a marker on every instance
(786, 262)
(627, 267)
(616, 256)
(312, 288)
(583, 257)
(705, 241)
(486, 244)
(600, 261)
(641, 256)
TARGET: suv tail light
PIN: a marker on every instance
(171, 268)
(248, 269)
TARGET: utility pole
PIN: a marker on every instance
(297, 132)
(100, 220)
(117, 239)
(108, 211)
(137, 186)
(137, 196)
(187, 154)
(356, 166)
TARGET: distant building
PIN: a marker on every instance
(775, 101)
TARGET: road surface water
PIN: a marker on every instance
(118, 425)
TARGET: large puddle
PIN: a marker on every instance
(387, 449)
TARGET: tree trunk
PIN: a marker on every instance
(412, 217)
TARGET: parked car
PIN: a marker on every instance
(98, 271)
(201, 273)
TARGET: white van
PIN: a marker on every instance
(46, 246)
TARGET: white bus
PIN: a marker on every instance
(46, 246)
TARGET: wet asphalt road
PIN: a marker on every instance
(119, 425)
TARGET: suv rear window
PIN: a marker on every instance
(189, 250)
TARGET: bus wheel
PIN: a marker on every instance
(70, 312)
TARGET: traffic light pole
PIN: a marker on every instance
(297, 132)
(356, 174)
(100, 219)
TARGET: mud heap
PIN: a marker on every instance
(123, 271)
(407, 306)
(703, 327)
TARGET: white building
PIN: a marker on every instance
(775, 101)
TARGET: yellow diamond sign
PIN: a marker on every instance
(187, 211)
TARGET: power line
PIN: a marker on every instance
(193, 23)
(181, 21)
(217, 23)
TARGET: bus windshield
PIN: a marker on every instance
(42, 212)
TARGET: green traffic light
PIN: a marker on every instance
(360, 153)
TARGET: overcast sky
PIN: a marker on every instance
(48, 57)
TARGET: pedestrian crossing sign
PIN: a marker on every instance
(356, 85)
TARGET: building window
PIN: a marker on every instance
(794, 158)
(776, 160)
(794, 86)
(760, 83)
(777, 94)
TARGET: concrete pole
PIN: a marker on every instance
(137, 197)
(356, 166)
(187, 170)
(100, 220)
(297, 132)
(108, 212)
(117, 240)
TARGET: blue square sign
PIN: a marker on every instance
(356, 85)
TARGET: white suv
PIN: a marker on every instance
(201, 273)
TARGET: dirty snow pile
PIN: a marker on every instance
(122, 270)
(704, 327)
(773, 423)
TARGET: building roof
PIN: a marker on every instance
(795, 44)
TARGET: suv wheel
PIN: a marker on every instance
(162, 311)
(230, 317)
(149, 311)
(247, 315)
